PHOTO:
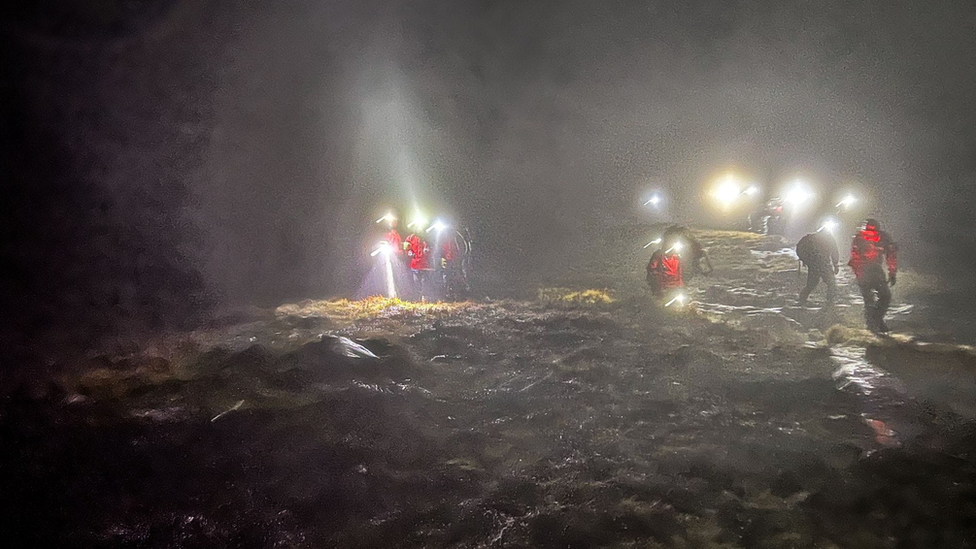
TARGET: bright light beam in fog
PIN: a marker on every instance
(679, 299)
(438, 226)
(798, 194)
(655, 200)
(727, 191)
(385, 250)
(846, 202)
(677, 247)
(387, 217)
(830, 225)
(651, 243)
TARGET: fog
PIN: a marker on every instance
(166, 159)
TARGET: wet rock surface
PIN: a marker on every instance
(501, 424)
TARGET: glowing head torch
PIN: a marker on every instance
(679, 300)
(829, 224)
(418, 222)
(652, 243)
(727, 191)
(383, 247)
(797, 195)
(438, 226)
(388, 217)
(655, 200)
(846, 202)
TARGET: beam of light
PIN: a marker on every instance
(798, 194)
(438, 226)
(679, 299)
(418, 221)
(846, 202)
(382, 247)
(728, 190)
(751, 190)
(655, 200)
(676, 247)
(829, 225)
(388, 216)
(390, 284)
(385, 250)
(651, 243)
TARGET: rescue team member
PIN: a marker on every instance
(418, 251)
(393, 236)
(665, 272)
(818, 251)
(871, 250)
(451, 251)
(695, 251)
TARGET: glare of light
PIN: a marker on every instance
(418, 221)
(655, 200)
(679, 299)
(651, 243)
(798, 194)
(751, 190)
(438, 226)
(388, 216)
(385, 249)
(676, 247)
(728, 190)
(846, 202)
(829, 225)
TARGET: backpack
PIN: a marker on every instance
(806, 249)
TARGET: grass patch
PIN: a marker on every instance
(371, 307)
(567, 296)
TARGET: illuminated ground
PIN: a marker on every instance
(586, 416)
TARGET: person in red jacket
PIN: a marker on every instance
(392, 235)
(418, 251)
(871, 250)
(665, 271)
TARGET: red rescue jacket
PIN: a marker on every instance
(419, 252)
(665, 272)
(393, 237)
(873, 247)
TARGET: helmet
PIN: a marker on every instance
(872, 224)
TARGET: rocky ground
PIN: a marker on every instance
(574, 413)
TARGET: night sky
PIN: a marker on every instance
(164, 157)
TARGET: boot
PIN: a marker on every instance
(871, 319)
(882, 327)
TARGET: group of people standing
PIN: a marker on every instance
(873, 260)
(436, 256)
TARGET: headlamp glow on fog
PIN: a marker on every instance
(383, 247)
(655, 200)
(751, 190)
(727, 191)
(418, 222)
(387, 217)
(651, 243)
(679, 299)
(676, 247)
(438, 226)
(829, 225)
(846, 202)
(798, 194)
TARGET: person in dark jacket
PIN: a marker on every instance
(818, 251)
(871, 251)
